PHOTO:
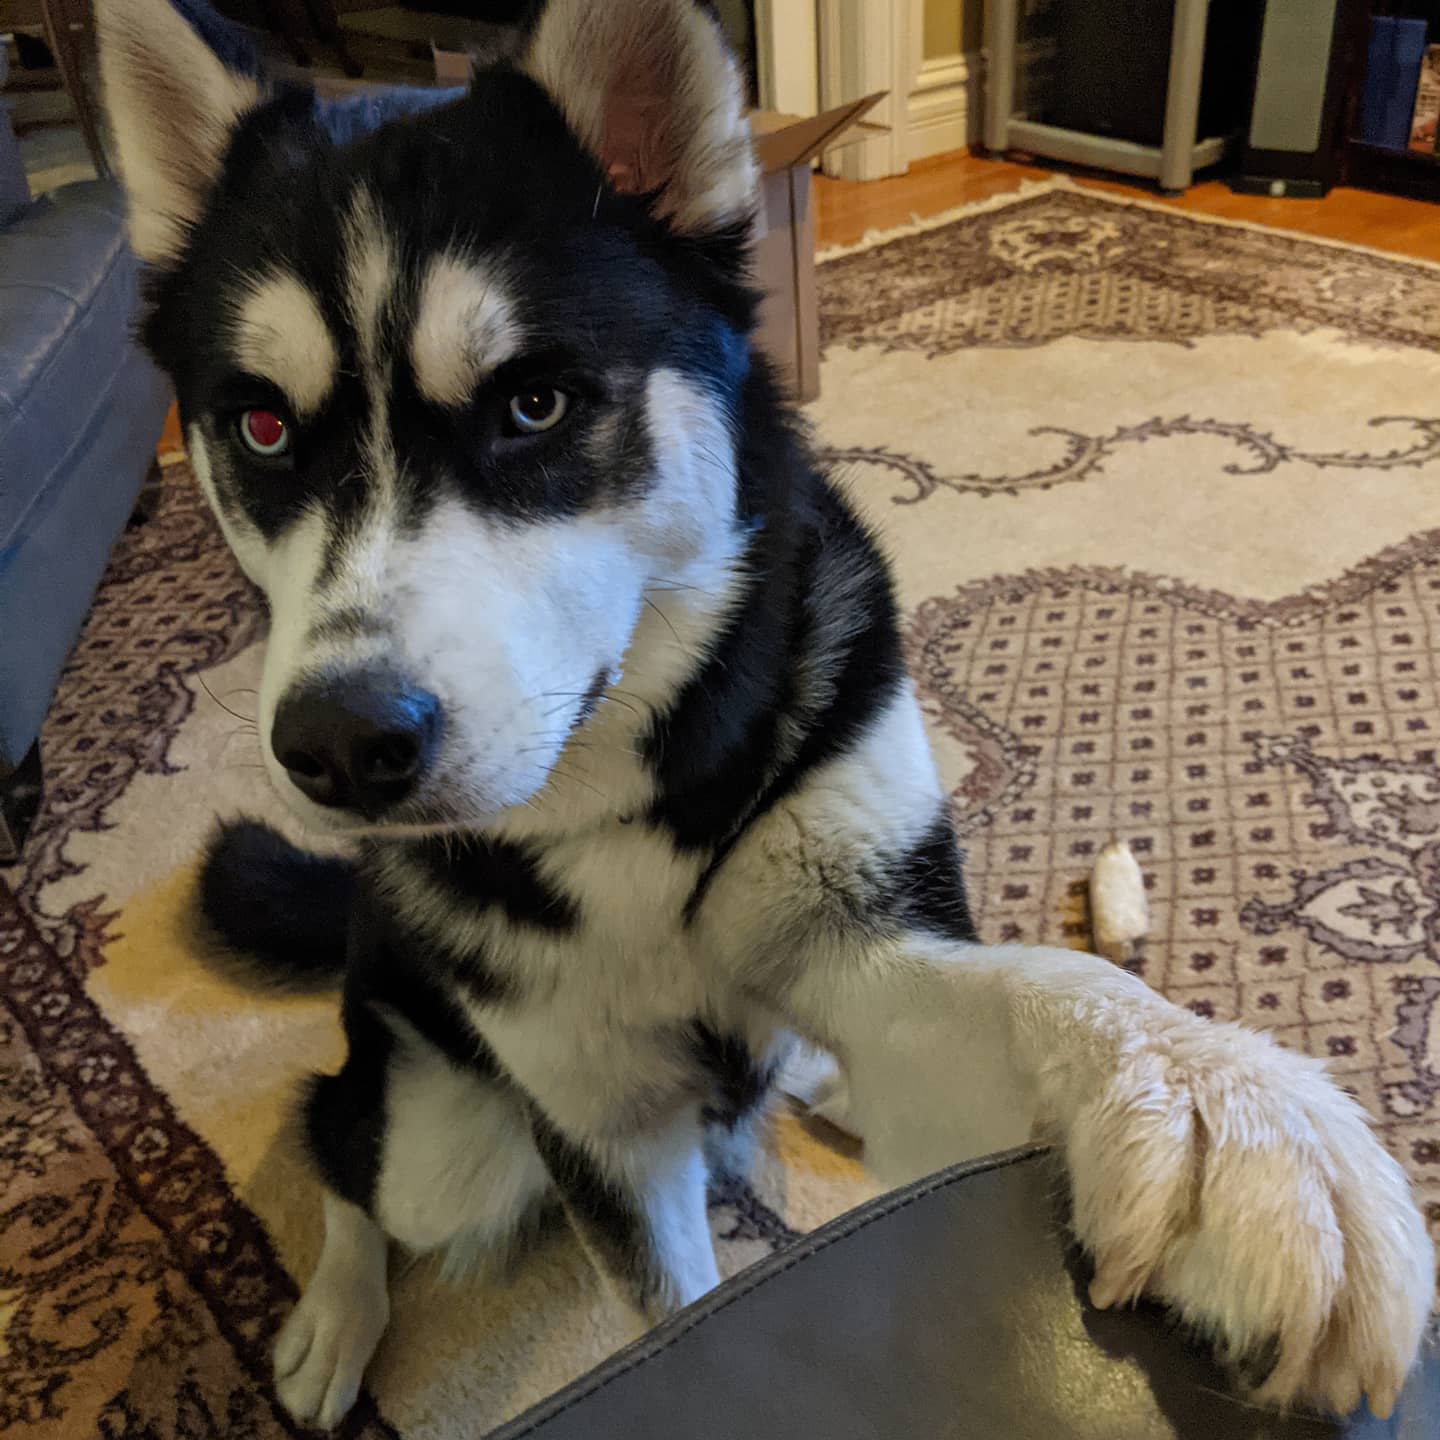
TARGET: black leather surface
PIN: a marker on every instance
(948, 1311)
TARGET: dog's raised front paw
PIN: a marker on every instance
(322, 1350)
(1236, 1182)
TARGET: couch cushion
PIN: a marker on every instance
(67, 307)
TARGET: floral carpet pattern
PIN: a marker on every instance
(1161, 494)
(1275, 770)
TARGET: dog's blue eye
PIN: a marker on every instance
(539, 409)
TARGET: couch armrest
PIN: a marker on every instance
(952, 1309)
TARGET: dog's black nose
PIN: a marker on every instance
(360, 741)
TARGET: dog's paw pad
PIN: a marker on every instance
(1237, 1183)
(320, 1356)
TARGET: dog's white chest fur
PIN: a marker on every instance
(592, 1020)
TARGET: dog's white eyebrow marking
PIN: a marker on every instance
(464, 327)
(281, 336)
(370, 273)
(371, 268)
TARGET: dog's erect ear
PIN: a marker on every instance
(173, 105)
(651, 89)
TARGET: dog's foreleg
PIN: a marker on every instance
(1209, 1167)
(638, 1207)
(413, 1148)
(322, 1351)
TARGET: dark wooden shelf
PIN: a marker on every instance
(1414, 173)
(1411, 173)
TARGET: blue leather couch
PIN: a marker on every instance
(80, 411)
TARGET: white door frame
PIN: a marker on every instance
(943, 111)
(812, 54)
(868, 45)
(787, 56)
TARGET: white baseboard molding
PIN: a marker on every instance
(944, 110)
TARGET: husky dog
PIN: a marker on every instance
(605, 680)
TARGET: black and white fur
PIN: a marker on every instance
(682, 805)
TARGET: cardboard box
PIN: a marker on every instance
(785, 145)
(452, 67)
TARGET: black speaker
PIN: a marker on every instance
(1290, 141)
(1112, 67)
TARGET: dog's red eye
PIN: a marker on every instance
(264, 432)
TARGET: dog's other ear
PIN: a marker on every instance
(173, 105)
(651, 89)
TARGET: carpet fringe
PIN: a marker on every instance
(918, 225)
(1029, 188)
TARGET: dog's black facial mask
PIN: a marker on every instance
(461, 392)
(553, 283)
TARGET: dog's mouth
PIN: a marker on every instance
(590, 700)
(407, 830)
(415, 819)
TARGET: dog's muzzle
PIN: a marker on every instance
(363, 740)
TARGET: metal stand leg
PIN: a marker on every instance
(1182, 103)
(1001, 24)
(69, 27)
(20, 791)
(328, 28)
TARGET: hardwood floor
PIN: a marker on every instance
(171, 445)
(845, 210)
